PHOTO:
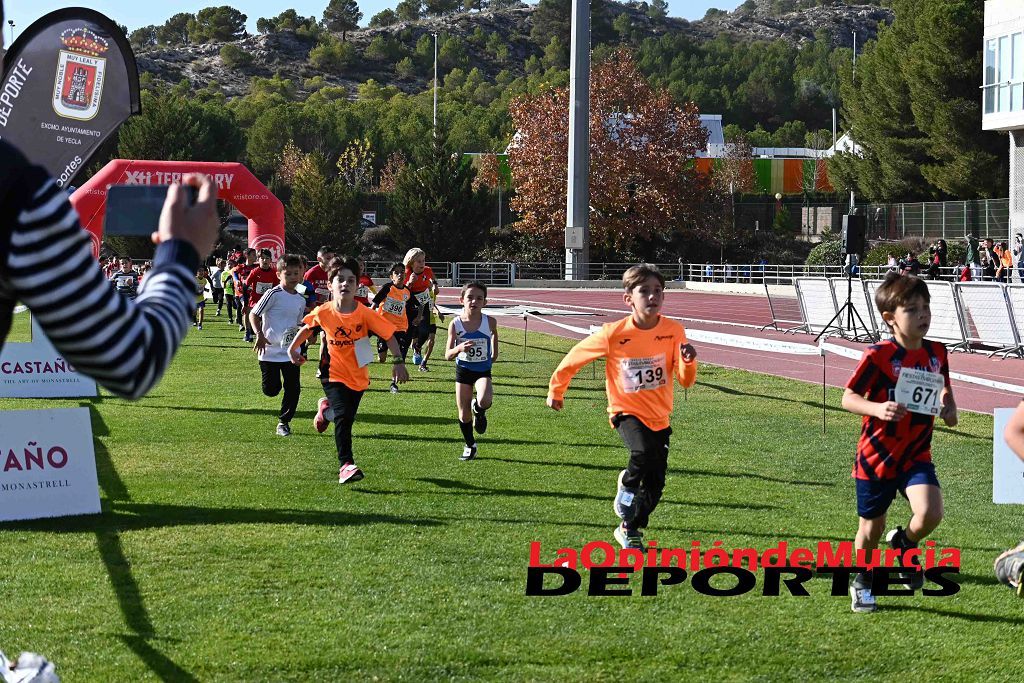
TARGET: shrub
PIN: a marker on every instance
(234, 57)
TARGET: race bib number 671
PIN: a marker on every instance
(920, 391)
(643, 374)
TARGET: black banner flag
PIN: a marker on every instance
(69, 81)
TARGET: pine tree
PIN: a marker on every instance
(323, 210)
(435, 207)
(343, 16)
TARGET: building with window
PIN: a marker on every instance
(1002, 93)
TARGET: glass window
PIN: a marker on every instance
(990, 100)
(1004, 99)
(990, 62)
(1017, 97)
(1018, 57)
(1005, 57)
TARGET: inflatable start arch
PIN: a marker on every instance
(235, 183)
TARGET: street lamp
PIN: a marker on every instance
(435, 84)
(10, 22)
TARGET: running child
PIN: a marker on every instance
(894, 452)
(317, 275)
(276, 319)
(419, 278)
(1009, 566)
(125, 279)
(217, 284)
(473, 343)
(644, 352)
(260, 280)
(366, 286)
(395, 304)
(343, 372)
(242, 272)
(431, 334)
(228, 283)
(202, 282)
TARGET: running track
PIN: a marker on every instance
(741, 315)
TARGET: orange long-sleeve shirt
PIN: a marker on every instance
(639, 368)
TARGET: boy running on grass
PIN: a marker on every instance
(473, 343)
(202, 282)
(1010, 565)
(643, 353)
(894, 452)
(276, 319)
(260, 280)
(343, 371)
(394, 303)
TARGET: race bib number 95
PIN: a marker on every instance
(643, 374)
(477, 353)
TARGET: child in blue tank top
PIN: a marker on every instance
(473, 344)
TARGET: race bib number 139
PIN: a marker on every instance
(643, 374)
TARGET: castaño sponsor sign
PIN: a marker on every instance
(47, 464)
(36, 369)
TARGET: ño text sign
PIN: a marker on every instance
(47, 464)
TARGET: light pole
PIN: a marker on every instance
(577, 214)
(435, 84)
(10, 22)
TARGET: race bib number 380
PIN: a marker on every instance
(643, 374)
(920, 390)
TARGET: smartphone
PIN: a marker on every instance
(134, 210)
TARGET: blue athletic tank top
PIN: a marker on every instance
(478, 356)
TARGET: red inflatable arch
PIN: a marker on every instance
(235, 183)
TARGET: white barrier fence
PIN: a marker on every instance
(963, 313)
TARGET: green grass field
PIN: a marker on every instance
(227, 553)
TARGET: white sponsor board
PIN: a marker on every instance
(36, 369)
(1007, 468)
(47, 464)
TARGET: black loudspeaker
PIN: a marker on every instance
(853, 234)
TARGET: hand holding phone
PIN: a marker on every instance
(181, 212)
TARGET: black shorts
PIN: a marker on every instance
(467, 376)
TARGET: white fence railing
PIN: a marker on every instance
(963, 313)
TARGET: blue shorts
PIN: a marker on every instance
(875, 497)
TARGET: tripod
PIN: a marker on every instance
(849, 330)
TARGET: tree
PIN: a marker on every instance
(343, 16)
(143, 37)
(174, 31)
(322, 210)
(440, 8)
(386, 17)
(912, 109)
(658, 9)
(332, 55)
(409, 10)
(405, 68)
(355, 165)
(234, 57)
(221, 24)
(393, 168)
(173, 127)
(642, 182)
(435, 207)
(288, 20)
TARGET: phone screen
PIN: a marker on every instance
(134, 210)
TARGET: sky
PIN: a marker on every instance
(134, 13)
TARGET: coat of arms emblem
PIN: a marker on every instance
(78, 85)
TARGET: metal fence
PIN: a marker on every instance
(946, 220)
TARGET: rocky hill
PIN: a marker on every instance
(287, 53)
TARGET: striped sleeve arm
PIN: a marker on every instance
(126, 346)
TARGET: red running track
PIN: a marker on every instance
(742, 315)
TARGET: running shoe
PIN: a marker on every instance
(914, 578)
(861, 599)
(625, 501)
(629, 538)
(468, 453)
(199, 327)
(284, 429)
(424, 368)
(480, 421)
(394, 387)
(416, 358)
(349, 474)
(320, 422)
(1009, 569)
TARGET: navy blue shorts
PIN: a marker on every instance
(875, 497)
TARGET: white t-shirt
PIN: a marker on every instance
(215, 281)
(282, 314)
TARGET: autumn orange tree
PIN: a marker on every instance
(644, 188)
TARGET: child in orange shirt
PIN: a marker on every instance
(346, 326)
(644, 352)
(395, 303)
